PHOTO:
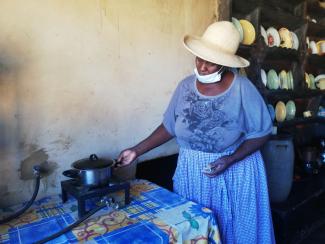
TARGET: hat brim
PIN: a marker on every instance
(216, 55)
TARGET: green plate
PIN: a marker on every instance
(272, 80)
(238, 27)
(290, 110)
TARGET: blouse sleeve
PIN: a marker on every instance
(257, 120)
(169, 118)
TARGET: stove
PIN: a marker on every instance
(83, 193)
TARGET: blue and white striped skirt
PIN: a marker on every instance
(238, 196)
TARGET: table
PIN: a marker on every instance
(155, 215)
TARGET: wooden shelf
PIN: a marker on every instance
(282, 53)
(282, 94)
(300, 121)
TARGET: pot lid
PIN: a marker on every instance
(93, 162)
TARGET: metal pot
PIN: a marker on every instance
(91, 171)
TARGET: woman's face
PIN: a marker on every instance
(205, 67)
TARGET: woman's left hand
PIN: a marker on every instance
(217, 167)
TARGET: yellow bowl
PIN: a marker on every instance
(249, 32)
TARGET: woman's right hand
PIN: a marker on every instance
(126, 157)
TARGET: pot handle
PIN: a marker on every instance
(71, 173)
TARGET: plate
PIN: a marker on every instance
(280, 111)
(263, 77)
(312, 82)
(313, 47)
(271, 111)
(249, 32)
(283, 80)
(321, 47)
(290, 110)
(295, 41)
(318, 77)
(307, 80)
(273, 37)
(238, 27)
(263, 33)
(285, 38)
(290, 80)
(272, 79)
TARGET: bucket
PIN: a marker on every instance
(278, 155)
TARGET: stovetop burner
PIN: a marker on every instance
(83, 193)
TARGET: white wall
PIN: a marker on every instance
(86, 76)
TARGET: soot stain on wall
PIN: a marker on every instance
(39, 157)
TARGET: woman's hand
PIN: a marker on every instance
(126, 157)
(217, 167)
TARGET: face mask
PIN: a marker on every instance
(211, 78)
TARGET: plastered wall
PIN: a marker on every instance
(86, 76)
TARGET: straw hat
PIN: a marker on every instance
(218, 45)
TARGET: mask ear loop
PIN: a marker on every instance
(221, 70)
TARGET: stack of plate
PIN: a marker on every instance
(290, 80)
(282, 38)
(246, 30)
(310, 81)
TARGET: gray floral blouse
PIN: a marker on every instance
(216, 123)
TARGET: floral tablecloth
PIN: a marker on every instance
(155, 215)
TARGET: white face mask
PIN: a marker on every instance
(211, 78)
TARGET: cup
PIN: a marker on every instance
(307, 114)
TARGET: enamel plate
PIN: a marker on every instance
(285, 38)
(273, 37)
(283, 80)
(280, 111)
(238, 27)
(295, 41)
(312, 81)
(272, 79)
(249, 32)
(263, 77)
(263, 33)
(290, 110)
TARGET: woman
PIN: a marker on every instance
(220, 121)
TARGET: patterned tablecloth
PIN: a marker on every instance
(155, 215)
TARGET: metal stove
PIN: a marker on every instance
(83, 193)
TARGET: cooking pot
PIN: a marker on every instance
(91, 171)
